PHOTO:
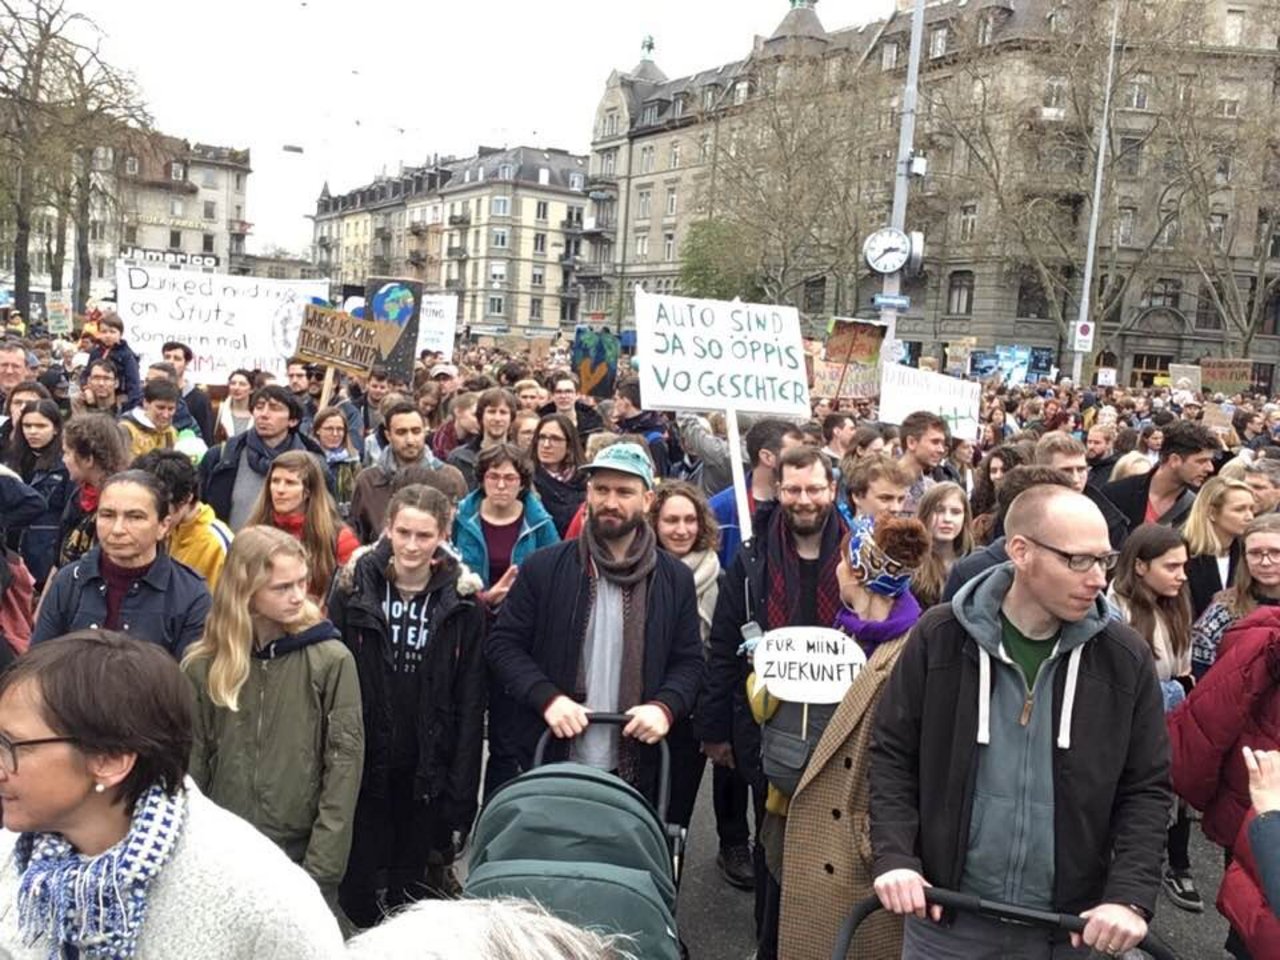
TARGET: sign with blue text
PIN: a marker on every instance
(720, 355)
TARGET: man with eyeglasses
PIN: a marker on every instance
(1020, 754)
(565, 400)
(99, 392)
(784, 576)
(1061, 451)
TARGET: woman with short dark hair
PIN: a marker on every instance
(502, 521)
(109, 850)
(126, 582)
(36, 456)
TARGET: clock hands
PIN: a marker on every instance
(884, 253)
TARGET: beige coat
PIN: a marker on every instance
(827, 861)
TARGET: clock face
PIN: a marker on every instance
(887, 250)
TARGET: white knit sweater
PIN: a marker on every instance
(228, 893)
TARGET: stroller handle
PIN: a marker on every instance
(984, 908)
(621, 720)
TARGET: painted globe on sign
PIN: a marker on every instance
(393, 302)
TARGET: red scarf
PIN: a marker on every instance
(290, 523)
(89, 497)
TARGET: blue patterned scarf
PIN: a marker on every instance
(96, 905)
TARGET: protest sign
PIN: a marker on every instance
(1191, 373)
(595, 361)
(984, 364)
(1219, 375)
(854, 349)
(539, 350)
(393, 306)
(716, 355)
(1013, 363)
(1106, 376)
(228, 321)
(807, 664)
(1040, 365)
(904, 390)
(438, 324)
(958, 354)
(1216, 419)
(59, 316)
(337, 339)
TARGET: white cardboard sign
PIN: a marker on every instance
(228, 321)
(808, 664)
(904, 390)
(717, 355)
(438, 324)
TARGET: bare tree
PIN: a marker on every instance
(59, 102)
(797, 177)
(1024, 153)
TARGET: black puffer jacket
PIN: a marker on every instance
(561, 499)
(450, 727)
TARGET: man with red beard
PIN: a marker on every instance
(606, 623)
(784, 576)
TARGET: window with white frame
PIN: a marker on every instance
(499, 239)
(644, 200)
(1233, 28)
(938, 38)
(535, 308)
(968, 222)
(537, 276)
(741, 90)
(577, 181)
(1055, 93)
(540, 243)
(668, 247)
(888, 56)
(176, 207)
(646, 159)
(642, 247)
(498, 271)
(1137, 92)
(709, 95)
(671, 201)
(177, 171)
(611, 123)
(960, 293)
(1218, 227)
(500, 206)
(131, 166)
(673, 156)
(506, 171)
(649, 116)
(497, 305)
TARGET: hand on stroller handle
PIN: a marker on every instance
(621, 720)
(986, 908)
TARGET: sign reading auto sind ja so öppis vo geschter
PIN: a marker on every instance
(720, 355)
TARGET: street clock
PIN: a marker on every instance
(887, 250)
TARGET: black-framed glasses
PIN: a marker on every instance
(9, 749)
(1080, 562)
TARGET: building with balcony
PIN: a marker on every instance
(158, 199)
(1009, 113)
(502, 229)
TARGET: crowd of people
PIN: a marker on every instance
(267, 656)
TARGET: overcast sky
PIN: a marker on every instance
(363, 86)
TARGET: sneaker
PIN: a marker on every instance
(1181, 889)
(736, 867)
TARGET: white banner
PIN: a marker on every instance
(904, 390)
(438, 324)
(807, 664)
(228, 321)
(715, 355)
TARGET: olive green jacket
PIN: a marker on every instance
(289, 759)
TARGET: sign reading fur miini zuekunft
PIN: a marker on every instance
(717, 355)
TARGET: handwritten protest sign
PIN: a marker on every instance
(595, 361)
(59, 316)
(1217, 419)
(853, 351)
(438, 324)
(1106, 376)
(337, 339)
(904, 390)
(227, 321)
(808, 664)
(1219, 375)
(1191, 373)
(716, 355)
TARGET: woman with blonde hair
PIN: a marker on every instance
(279, 738)
(1219, 516)
(944, 511)
(1257, 583)
(296, 500)
(1131, 464)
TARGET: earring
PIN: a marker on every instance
(99, 788)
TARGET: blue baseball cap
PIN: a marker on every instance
(624, 458)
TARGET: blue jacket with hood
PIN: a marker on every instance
(537, 530)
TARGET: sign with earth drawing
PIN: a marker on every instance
(394, 308)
